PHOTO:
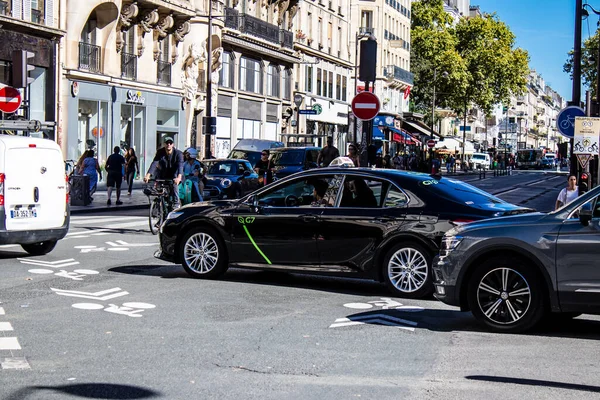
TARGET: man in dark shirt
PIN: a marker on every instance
(114, 169)
(328, 153)
(168, 164)
(264, 169)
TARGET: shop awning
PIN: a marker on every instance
(404, 137)
(418, 128)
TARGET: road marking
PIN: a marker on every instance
(15, 363)
(1, 310)
(50, 264)
(9, 343)
(108, 228)
(5, 326)
(85, 221)
(380, 319)
(93, 296)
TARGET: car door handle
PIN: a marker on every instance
(309, 218)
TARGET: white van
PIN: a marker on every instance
(481, 160)
(34, 208)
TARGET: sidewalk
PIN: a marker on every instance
(137, 200)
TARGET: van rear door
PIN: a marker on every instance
(34, 186)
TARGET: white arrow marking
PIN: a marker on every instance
(367, 106)
(49, 265)
(93, 296)
(47, 262)
(121, 243)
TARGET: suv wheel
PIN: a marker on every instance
(407, 270)
(203, 254)
(506, 296)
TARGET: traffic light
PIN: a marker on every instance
(210, 125)
(367, 68)
(584, 182)
(504, 109)
(21, 68)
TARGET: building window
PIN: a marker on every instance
(318, 81)
(366, 19)
(325, 84)
(320, 32)
(338, 87)
(273, 80)
(331, 94)
(308, 79)
(37, 11)
(5, 72)
(287, 84)
(226, 73)
(344, 87)
(250, 75)
(310, 28)
(163, 66)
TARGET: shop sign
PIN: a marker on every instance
(135, 97)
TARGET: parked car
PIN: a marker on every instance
(229, 179)
(380, 224)
(509, 272)
(250, 149)
(481, 161)
(289, 160)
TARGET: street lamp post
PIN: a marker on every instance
(358, 38)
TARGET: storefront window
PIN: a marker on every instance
(133, 126)
(93, 129)
(169, 118)
(37, 94)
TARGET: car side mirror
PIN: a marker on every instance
(246, 173)
(585, 216)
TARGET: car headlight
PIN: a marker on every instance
(225, 183)
(174, 214)
(449, 243)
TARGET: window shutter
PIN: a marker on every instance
(49, 9)
(27, 10)
(17, 9)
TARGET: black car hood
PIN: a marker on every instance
(202, 207)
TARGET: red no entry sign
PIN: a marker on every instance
(431, 143)
(10, 99)
(365, 106)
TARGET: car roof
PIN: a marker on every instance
(278, 149)
(381, 172)
(225, 159)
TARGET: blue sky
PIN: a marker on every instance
(545, 29)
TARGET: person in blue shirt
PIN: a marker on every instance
(193, 171)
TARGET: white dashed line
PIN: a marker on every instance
(5, 326)
(9, 343)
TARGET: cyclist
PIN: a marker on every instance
(193, 171)
(168, 164)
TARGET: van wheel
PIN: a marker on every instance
(39, 249)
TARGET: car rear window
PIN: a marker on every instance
(460, 192)
(288, 157)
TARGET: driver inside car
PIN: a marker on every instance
(319, 191)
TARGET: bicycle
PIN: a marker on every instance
(162, 204)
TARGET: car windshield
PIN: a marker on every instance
(221, 168)
(288, 157)
(461, 192)
(251, 156)
(478, 157)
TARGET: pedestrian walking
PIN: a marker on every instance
(91, 168)
(193, 171)
(327, 154)
(114, 174)
(568, 194)
(132, 167)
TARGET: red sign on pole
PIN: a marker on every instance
(431, 143)
(10, 99)
(365, 106)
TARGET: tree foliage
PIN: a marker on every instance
(484, 67)
(589, 57)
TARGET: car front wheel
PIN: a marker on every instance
(407, 271)
(203, 254)
(506, 296)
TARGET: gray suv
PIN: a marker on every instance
(511, 271)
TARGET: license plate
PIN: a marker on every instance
(23, 213)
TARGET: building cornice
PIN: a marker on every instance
(113, 81)
(259, 46)
(18, 25)
(302, 48)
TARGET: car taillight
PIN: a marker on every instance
(2, 177)
(67, 186)
(461, 221)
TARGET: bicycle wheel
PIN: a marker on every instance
(156, 215)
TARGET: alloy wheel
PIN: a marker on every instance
(503, 296)
(201, 253)
(408, 270)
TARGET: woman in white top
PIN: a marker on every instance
(569, 193)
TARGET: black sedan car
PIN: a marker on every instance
(380, 224)
(510, 272)
(229, 179)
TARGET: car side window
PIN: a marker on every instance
(362, 192)
(395, 198)
(314, 191)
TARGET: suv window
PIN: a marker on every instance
(314, 191)
(362, 192)
(288, 157)
(395, 198)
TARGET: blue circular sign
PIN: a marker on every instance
(565, 121)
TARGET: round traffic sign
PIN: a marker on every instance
(431, 143)
(565, 120)
(10, 99)
(365, 106)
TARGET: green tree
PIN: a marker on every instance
(478, 53)
(589, 53)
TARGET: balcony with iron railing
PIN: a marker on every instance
(36, 17)
(257, 27)
(4, 8)
(129, 66)
(395, 72)
(89, 57)
(163, 73)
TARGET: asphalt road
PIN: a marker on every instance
(99, 317)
